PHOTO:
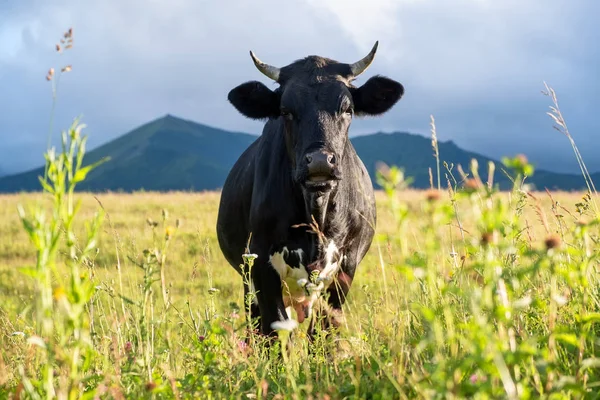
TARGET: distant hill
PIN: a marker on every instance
(175, 154)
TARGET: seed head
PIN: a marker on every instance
(66, 69)
(552, 242)
(58, 48)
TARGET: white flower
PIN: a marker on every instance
(37, 341)
(302, 282)
(251, 256)
(287, 325)
(522, 302)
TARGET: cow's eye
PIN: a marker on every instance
(349, 112)
(287, 114)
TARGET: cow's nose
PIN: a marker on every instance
(320, 163)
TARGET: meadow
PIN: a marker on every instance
(464, 293)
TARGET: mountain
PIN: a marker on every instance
(414, 153)
(166, 154)
(170, 153)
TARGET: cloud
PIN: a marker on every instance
(477, 65)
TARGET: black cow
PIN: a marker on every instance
(302, 170)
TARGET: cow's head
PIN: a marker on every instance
(316, 102)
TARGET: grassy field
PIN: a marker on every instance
(465, 293)
(506, 307)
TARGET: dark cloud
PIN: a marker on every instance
(478, 66)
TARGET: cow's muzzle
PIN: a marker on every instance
(321, 166)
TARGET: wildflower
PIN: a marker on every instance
(201, 338)
(37, 341)
(552, 242)
(251, 256)
(59, 293)
(523, 302)
(128, 347)
(487, 238)
(150, 386)
(287, 325)
(169, 232)
(582, 222)
(433, 195)
(522, 158)
(560, 300)
(472, 184)
(242, 346)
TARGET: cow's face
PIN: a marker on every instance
(316, 103)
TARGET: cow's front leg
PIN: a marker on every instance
(328, 313)
(267, 285)
(337, 293)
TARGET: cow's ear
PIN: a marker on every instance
(254, 100)
(376, 96)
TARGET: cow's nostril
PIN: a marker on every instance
(309, 159)
(331, 159)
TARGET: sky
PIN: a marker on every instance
(477, 66)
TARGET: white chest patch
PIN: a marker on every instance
(298, 291)
(290, 274)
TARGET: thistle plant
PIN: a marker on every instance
(63, 289)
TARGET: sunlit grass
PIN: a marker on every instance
(465, 292)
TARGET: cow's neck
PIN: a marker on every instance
(316, 205)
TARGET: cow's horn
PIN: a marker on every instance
(268, 70)
(360, 66)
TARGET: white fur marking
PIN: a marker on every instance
(325, 276)
(331, 267)
(292, 291)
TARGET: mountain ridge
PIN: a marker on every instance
(172, 153)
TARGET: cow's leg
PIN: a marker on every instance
(337, 293)
(268, 293)
(327, 313)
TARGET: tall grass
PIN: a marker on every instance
(474, 302)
